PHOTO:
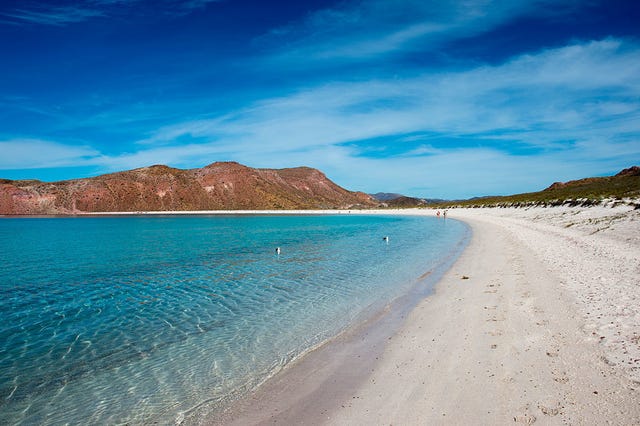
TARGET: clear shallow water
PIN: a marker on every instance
(144, 319)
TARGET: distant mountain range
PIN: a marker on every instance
(391, 199)
(232, 186)
(398, 200)
(386, 196)
(218, 186)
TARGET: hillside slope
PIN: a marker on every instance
(218, 186)
(625, 184)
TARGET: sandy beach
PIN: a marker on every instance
(537, 321)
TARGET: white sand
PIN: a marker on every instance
(545, 329)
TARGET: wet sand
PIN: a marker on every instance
(537, 321)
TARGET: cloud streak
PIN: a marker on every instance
(591, 86)
(365, 30)
(53, 15)
(60, 16)
(34, 153)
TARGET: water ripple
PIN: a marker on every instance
(136, 320)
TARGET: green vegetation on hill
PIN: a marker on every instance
(589, 191)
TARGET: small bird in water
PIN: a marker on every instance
(277, 250)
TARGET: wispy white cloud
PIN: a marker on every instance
(559, 89)
(35, 153)
(356, 30)
(53, 15)
(43, 13)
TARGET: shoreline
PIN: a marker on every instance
(426, 211)
(341, 362)
(410, 212)
(522, 339)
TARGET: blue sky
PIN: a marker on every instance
(438, 99)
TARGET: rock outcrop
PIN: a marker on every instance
(218, 186)
(631, 171)
(625, 179)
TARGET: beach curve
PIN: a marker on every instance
(537, 321)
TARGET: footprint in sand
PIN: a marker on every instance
(550, 409)
(495, 319)
(526, 419)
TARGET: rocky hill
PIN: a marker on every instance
(404, 202)
(218, 186)
(398, 201)
(624, 185)
(386, 196)
(621, 179)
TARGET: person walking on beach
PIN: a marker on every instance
(438, 213)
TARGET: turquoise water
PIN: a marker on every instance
(144, 319)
